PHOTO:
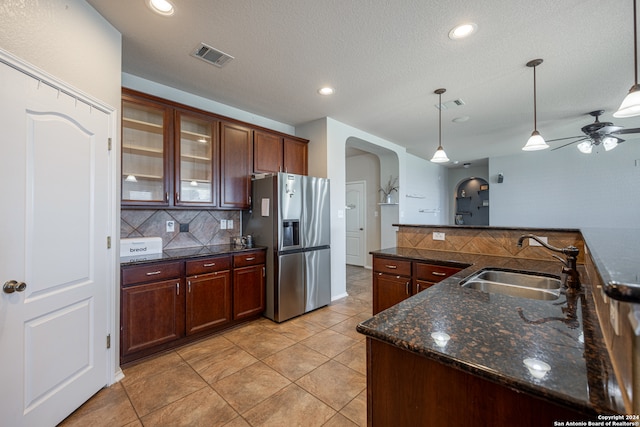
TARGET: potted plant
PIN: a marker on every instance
(391, 186)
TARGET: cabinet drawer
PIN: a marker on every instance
(208, 265)
(155, 272)
(434, 273)
(248, 258)
(392, 266)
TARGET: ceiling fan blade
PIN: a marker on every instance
(569, 137)
(609, 129)
(562, 146)
(623, 131)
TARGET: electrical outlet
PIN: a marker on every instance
(535, 242)
(184, 228)
(223, 224)
(438, 235)
(171, 226)
(230, 224)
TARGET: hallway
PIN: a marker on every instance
(308, 371)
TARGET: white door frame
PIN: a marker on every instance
(113, 373)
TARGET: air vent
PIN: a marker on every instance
(452, 104)
(211, 55)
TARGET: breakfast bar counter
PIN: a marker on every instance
(493, 336)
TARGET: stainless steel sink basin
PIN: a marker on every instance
(517, 284)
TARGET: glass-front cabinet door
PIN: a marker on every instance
(195, 157)
(144, 153)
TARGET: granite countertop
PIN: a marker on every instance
(183, 253)
(492, 334)
(616, 254)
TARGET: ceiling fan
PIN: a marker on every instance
(597, 133)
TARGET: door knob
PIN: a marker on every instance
(12, 286)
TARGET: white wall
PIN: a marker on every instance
(336, 135)
(150, 87)
(426, 199)
(68, 40)
(366, 167)
(565, 188)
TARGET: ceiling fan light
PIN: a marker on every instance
(609, 143)
(585, 147)
(630, 106)
(536, 142)
(440, 156)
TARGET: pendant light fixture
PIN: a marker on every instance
(536, 141)
(630, 106)
(440, 156)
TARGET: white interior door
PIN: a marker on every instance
(54, 222)
(355, 221)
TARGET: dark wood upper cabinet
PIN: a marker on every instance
(146, 152)
(295, 156)
(196, 160)
(236, 160)
(267, 152)
(177, 156)
(274, 153)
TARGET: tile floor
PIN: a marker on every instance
(309, 371)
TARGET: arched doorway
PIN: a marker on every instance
(472, 202)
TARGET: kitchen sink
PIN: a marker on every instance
(514, 283)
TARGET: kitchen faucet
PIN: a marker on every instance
(572, 278)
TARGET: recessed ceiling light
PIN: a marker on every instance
(162, 7)
(462, 31)
(326, 91)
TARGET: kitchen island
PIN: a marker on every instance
(478, 377)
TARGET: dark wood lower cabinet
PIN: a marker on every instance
(396, 279)
(389, 290)
(167, 304)
(208, 301)
(406, 389)
(153, 314)
(248, 285)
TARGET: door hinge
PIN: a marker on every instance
(109, 341)
(108, 242)
(109, 143)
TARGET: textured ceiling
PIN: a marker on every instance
(386, 57)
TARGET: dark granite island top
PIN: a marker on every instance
(492, 334)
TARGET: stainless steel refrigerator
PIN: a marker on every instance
(290, 216)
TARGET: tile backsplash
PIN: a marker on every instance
(203, 226)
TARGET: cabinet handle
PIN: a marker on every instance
(393, 267)
(211, 264)
(406, 286)
(166, 196)
(153, 273)
(189, 288)
(435, 273)
(177, 288)
(264, 272)
(177, 196)
(418, 287)
(251, 258)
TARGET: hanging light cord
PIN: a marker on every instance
(635, 44)
(440, 120)
(535, 104)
